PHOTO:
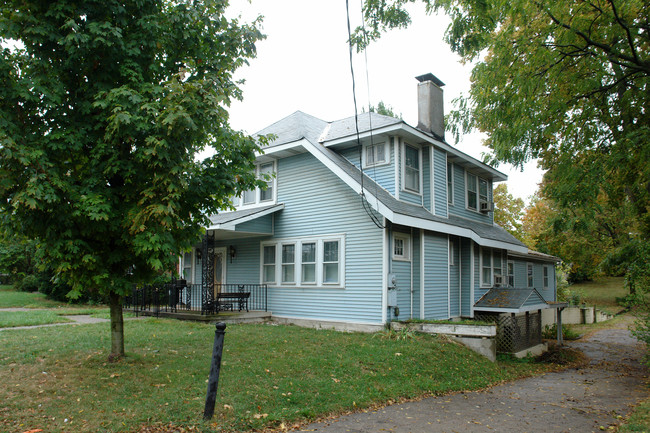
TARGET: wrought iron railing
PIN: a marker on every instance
(181, 297)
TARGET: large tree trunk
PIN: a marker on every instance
(117, 327)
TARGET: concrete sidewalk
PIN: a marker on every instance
(78, 319)
(588, 399)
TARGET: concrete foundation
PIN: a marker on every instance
(321, 324)
(483, 346)
(532, 351)
(575, 316)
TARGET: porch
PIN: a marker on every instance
(191, 301)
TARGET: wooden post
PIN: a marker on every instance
(213, 380)
(560, 337)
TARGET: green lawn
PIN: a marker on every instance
(10, 319)
(602, 292)
(270, 375)
(9, 298)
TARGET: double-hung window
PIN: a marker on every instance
(477, 191)
(268, 264)
(546, 277)
(511, 274)
(288, 263)
(486, 267)
(259, 195)
(411, 168)
(529, 271)
(375, 154)
(450, 183)
(472, 198)
(330, 262)
(187, 266)
(266, 194)
(307, 262)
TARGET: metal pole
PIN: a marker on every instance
(560, 337)
(213, 380)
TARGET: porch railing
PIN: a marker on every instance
(180, 297)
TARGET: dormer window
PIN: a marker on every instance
(375, 154)
(259, 195)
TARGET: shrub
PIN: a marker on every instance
(29, 283)
(550, 333)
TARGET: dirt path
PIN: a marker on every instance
(76, 319)
(589, 399)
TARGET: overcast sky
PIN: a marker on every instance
(304, 65)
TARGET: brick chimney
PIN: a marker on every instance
(431, 111)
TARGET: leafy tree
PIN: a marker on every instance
(508, 210)
(565, 82)
(385, 110)
(103, 107)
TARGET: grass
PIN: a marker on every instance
(270, 375)
(10, 298)
(639, 420)
(602, 292)
(10, 319)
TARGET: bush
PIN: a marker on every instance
(29, 283)
(550, 333)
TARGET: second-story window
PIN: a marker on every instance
(477, 191)
(471, 192)
(375, 155)
(450, 183)
(411, 168)
(259, 195)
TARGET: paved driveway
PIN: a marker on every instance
(588, 399)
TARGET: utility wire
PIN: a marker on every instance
(364, 201)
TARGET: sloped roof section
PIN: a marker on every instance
(506, 300)
(484, 231)
(346, 127)
(295, 127)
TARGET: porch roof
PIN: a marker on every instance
(242, 223)
(508, 300)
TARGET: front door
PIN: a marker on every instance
(219, 270)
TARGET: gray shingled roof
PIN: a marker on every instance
(510, 299)
(295, 127)
(485, 231)
(346, 127)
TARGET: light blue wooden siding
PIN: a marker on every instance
(521, 275)
(402, 271)
(245, 266)
(259, 225)
(417, 268)
(198, 270)
(478, 291)
(460, 199)
(454, 279)
(318, 203)
(436, 292)
(440, 181)
(466, 276)
(384, 175)
(410, 197)
(426, 178)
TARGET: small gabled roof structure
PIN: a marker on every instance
(508, 300)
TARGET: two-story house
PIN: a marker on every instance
(360, 228)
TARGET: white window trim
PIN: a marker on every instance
(298, 241)
(491, 282)
(478, 194)
(406, 251)
(546, 277)
(450, 202)
(282, 264)
(403, 169)
(452, 252)
(508, 274)
(530, 284)
(258, 202)
(387, 153)
(262, 264)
